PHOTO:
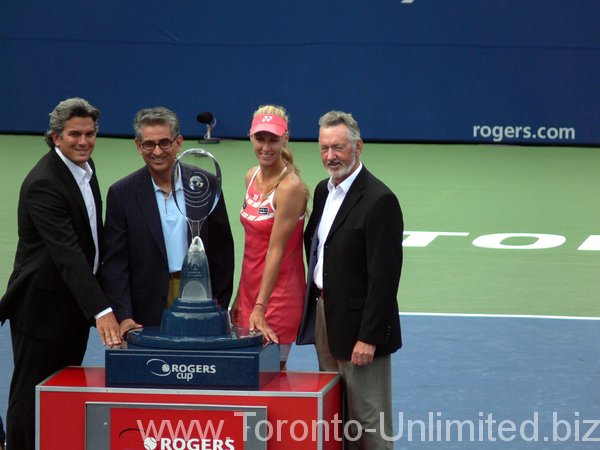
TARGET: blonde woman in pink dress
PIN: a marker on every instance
(271, 292)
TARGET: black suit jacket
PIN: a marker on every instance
(135, 268)
(361, 269)
(52, 292)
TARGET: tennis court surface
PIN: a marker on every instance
(500, 292)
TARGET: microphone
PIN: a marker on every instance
(205, 117)
(210, 121)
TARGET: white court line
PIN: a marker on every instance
(512, 316)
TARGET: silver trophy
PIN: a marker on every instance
(197, 187)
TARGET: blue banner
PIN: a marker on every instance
(507, 72)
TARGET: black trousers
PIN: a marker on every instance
(2, 435)
(35, 360)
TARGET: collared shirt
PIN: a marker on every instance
(82, 176)
(174, 224)
(336, 196)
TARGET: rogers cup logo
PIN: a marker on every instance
(161, 368)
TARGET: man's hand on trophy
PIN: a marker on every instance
(127, 325)
(258, 322)
(108, 330)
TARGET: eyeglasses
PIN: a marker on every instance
(164, 144)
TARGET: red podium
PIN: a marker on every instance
(295, 410)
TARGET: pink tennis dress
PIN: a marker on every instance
(285, 304)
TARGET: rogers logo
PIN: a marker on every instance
(161, 368)
(150, 443)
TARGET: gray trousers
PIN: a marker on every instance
(368, 393)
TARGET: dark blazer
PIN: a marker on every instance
(135, 268)
(52, 292)
(361, 269)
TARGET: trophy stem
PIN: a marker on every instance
(195, 227)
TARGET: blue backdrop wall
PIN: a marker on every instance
(506, 71)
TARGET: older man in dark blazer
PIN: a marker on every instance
(147, 237)
(53, 295)
(354, 247)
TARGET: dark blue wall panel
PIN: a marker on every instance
(429, 70)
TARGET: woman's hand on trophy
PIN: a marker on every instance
(258, 322)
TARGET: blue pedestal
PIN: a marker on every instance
(246, 368)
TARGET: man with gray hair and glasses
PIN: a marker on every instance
(53, 294)
(146, 235)
(354, 249)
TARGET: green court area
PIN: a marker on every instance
(511, 230)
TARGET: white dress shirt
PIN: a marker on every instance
(336, 196)
(82, 176)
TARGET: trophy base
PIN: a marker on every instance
(242, 368)
(152, 337)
